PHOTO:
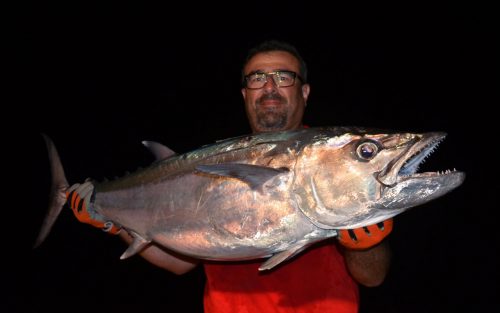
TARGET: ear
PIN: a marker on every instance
(306, 88)
(244, 93)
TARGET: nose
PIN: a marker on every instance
(270, 84)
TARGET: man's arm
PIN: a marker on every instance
(169, 261)
(367, 254)
(367, 257)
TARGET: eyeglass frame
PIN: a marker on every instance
(274, 75)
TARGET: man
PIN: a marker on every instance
(324, 277)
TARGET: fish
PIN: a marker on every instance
(267, 195)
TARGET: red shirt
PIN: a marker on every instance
(314, 281)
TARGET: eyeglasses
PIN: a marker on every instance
(280, 78)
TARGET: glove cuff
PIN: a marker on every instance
(111, 228)
(365, 237)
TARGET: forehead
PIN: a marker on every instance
(271, 61)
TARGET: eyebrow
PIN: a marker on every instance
(275, 70)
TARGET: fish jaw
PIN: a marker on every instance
(417, 189)
(409, 192)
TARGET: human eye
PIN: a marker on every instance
(257, 77)
(285, 76)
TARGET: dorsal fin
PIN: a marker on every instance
(160, 151)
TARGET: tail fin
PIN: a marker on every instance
(57, 192)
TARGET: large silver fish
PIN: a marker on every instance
(267, 195)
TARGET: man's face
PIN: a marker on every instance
(274, 108)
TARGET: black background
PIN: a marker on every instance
(100, 77)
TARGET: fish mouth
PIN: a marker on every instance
(405, 167)
(402, 187)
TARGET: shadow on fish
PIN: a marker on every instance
(269, 195)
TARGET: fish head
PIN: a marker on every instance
(361, 178)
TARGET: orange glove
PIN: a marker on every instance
(365, 237)
(78, 199)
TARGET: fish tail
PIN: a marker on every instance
(58, 190)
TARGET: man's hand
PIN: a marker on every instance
(78, 198)
(365, 237)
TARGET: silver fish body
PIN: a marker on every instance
(271, 194)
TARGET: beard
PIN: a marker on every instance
(271, 117)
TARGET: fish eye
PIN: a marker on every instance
(367, 150)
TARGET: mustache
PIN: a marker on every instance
(270, 96)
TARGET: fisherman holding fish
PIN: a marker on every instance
(322, 278)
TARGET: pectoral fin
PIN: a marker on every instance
(254, 175)
(136, 246)
(282, 256)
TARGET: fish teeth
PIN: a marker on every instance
(445, 172)
(412, 165)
